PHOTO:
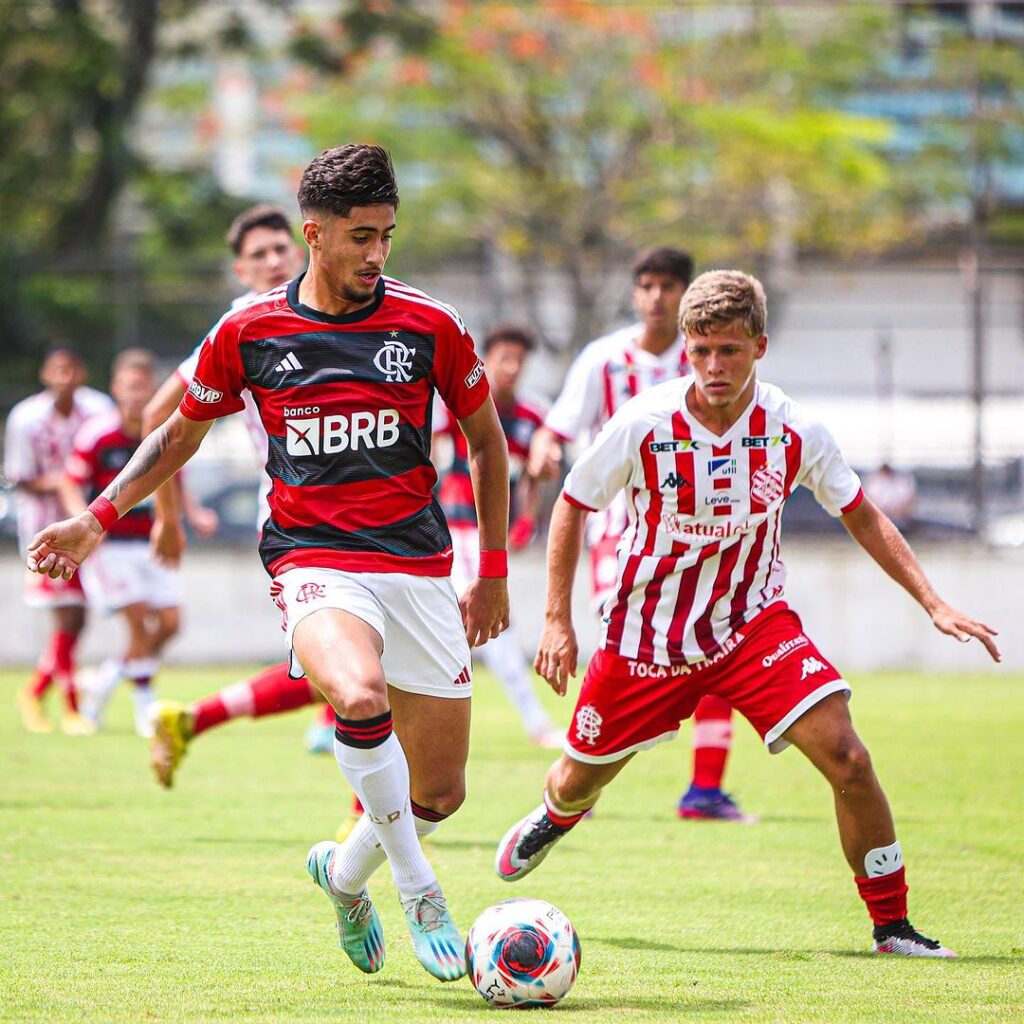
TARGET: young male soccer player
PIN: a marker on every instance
(123, 576)
(604, 376)
(699, 602)
(342, 363)
(37, 440)
(505, 349)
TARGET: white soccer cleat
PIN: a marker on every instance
(901, 938)
(526, 844)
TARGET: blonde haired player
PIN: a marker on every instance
(699, 605)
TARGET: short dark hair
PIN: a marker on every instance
(347, 176)
(262, 216)
(664, 260)
(133, 359)
(65, 352)
(516, 333)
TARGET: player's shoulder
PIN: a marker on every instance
(421, 305)
(30, 410)
(609, 347)
(98, 429)
(248, 310)
(791, 413)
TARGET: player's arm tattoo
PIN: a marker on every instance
(146, 456)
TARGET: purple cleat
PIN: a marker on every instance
(699, 804)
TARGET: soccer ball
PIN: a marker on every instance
(522, 953)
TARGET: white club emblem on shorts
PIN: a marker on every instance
(588, 724)
(767, 485)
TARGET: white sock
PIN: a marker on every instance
(96, 696)
(504, 657)
(380, 777)
(361, 854)
(142, 699)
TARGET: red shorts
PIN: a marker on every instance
(771, 674)
(42, 592)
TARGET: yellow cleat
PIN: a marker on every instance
(74, 724)
(172, 730)
(32, 716)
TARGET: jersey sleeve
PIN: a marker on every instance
(20, 461)
(826, 474)
(604, 468)
(216, 386)
(458, 374)
(578, 405)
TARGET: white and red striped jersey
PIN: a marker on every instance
(37, 441)
(603, 377)
(700, 554)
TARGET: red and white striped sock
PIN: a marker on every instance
(712, 740)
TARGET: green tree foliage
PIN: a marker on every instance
(567, 135)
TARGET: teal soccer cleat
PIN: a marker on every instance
(359, 929)
(435, 939)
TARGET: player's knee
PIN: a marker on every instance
(445, 796)
(357, 702)
(851, 763)
(569, 785)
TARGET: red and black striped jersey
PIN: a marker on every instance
(346, 404)
(100, 450)
(518, 421)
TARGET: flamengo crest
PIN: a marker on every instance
(394, 360)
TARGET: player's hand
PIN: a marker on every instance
(484, 607)
(557, 655)
(520, 533)
(60, 549)
(545, 458)
(167, 541)
(963, 627)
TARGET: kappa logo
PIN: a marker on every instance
(290, 362)
(474, 375)
(199, 391)
(810, 666)
(767, 485)
(311, 434)
(675, 480)
(311, 592)
(394, 360)
(588, 724)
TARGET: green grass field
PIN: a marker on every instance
(122, 902)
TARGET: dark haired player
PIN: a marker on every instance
(342, 363)
(604, 376)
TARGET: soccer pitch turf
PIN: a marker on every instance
(123, 902)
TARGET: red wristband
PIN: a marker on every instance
(493, 564)
(103, 509)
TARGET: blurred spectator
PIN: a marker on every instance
(894, 492)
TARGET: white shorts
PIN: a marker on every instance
(417, 617)
(42, 592)
(123, 572)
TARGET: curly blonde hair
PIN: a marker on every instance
(719, 298)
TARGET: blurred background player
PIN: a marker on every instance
(895, 493)
(605, 375)
(505, 349)
(123, 576)
(37, 442)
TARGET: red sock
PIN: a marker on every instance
(357, 806)
(45, 667)
(267, 693)
(712, 738)
(885, 897)
(64, 665)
